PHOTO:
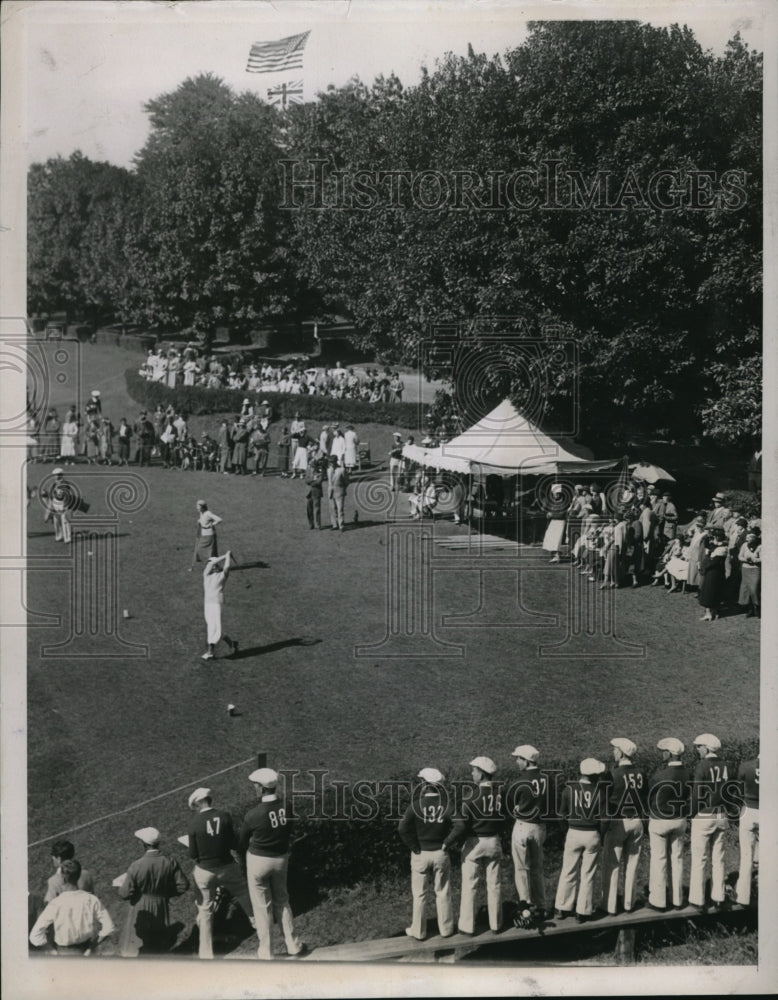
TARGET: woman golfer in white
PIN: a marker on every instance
(215, 575)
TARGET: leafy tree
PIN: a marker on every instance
(210, 246)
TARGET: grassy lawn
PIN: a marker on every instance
(106, 733)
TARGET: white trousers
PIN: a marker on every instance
(61, 526)
(481, 857)
(707, 842)
(665, 838)
(581, 847)
(213, 621)
(270, 901)
(231, 877)
(527, 841)
(749, 851)
(623, 841)
(435, 864)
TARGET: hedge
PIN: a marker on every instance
(745, 502)
(198, 400)
(330, 854)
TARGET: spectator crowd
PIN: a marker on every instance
(189, 368)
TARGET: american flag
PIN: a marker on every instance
(277, 57)
(286, 93)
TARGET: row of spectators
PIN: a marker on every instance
(187, 368)
(717, 555)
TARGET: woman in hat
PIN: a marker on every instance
(750, 558)
(300, 446)
(207, 543)
(173, 368)
(150, 883)
(190, 370)
(712, 569)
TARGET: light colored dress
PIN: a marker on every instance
(350, 455)
(693, 557)
(69, 438)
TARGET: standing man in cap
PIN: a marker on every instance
(526, 801)
(720, 514)
(748, 773)
(395, 460)
(624, 834)
(150, 883)
(265, 837)
(212, 839)
(145, 435)
(709, 821)
(78, 919)
(423, 829)
(215, 575)
(61, 851)
(584, 807)
(478, 831)
(668, 812)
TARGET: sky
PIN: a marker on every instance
(89, 67)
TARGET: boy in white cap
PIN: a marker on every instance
(215, 575)
(584, 807)
(668, 811)
(212, 839)
(423, 829)
(478, 830)
(265, 837)
(526, 802)
(748, 773)
(624, 834)
(709, 821)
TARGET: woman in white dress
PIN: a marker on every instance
(351, 453)
(300, 445)
(173, 368)
(694, 552)
(190, 368)
(67, 448)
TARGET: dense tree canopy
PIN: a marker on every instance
(602, 182)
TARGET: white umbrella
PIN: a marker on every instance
(650, 473)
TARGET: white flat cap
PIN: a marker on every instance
(431, 774)
(671, 744)
(246, 402)
(708, 740)
(58, 472)
(95, 392)
(149, 835)
(264, 776)
(198, 795)
(527, 752)
(590, 766)
(626, 746)
(485, 764)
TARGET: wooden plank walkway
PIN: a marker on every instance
(383, 949)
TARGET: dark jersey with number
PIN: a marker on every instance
(748, 773)
(627, 795)
(668, 793)
(482, 816)
(211, 838)
(710, 776)
(426, 822)
(266, 829)
(585, 803)
(527, 796)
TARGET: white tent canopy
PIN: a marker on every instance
(508, 444)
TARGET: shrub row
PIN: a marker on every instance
(198, 400)
(330, 854)
(745, 502)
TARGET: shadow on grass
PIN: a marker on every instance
(273, 647)
(257, 564)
